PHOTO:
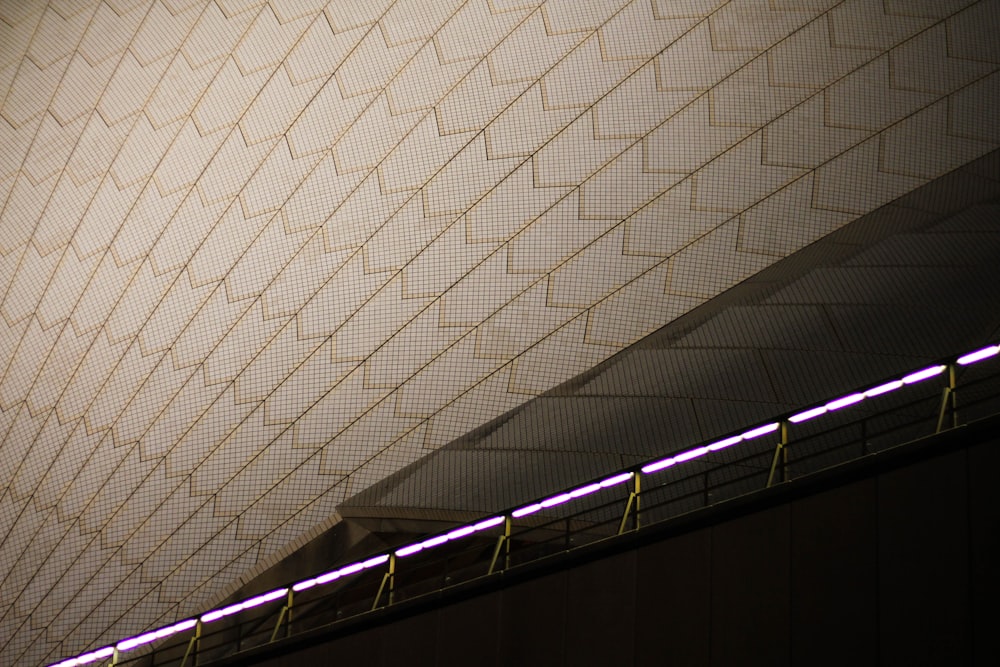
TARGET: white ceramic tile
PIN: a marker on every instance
(68, 282)
(738, 179)
(325, 119)
(28, 285)
(31, 91)
(375, 320)
(178, 92)
(423, 81)
(144, 292)
(474, 30)
(109, 33)
(922, 145)
(344, 16)
(243, 342)
(26, 363)
(318, 196)
(510, 62)
(475, 101)
(410, 21)
(81, 87)
(413, 346)
(305, 274)
(58, 369)
(230, 169)
(637, 105)
(623, 187)
(309, 383)
(188, 155)
(695, 62)
(268, 41)
(366, 143)
(228, 96)
(551, 163)
(776, 226)
(525, 126)
(866, 25)
(215, 35)
(282, 355)
(171, 315)
(162, 32)
(276, 106)
(106, 286)
(688, 140)
(276, 179)
(57, 36)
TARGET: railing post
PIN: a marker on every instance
(948, 401)
(780, 456)
(632, 506)
(503, 545)
(193, 646)
(286, 612)
(388, 579)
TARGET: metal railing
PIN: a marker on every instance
(859, 424)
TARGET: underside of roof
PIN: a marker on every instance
(257, 257)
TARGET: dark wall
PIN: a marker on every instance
(892, 568)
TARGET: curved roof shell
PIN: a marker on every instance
(258, 256)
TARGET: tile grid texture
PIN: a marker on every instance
(257, 256)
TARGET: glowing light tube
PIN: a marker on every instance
(584, 490)
(923, 375)
(376, 561)
(265, 598)
(691, 454)
(844, 401)
(617, 479)
(216, 614)
(99, 654)
(153, 635)
(525, 511)
(128, 644)
(807, 414)
(489, 523)
(658, 465)
(978, 355)
(760, 430)
(556, 500)
(884, 388)
(461, 532)
(722, 444)
(409, 550)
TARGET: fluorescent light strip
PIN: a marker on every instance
(616, 479)
(571, 495)
(844, 401)
(87, 658)
(463, 531)
(761, 430)
(658, 465)
(691, 454)
(525, 511)
(713, 447)
(337, 574)
(455, 534)
(722, 444)
(807, 414)
(884, 388)
(920, 376)
(978, 355)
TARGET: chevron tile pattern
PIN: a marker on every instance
(256, 256)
